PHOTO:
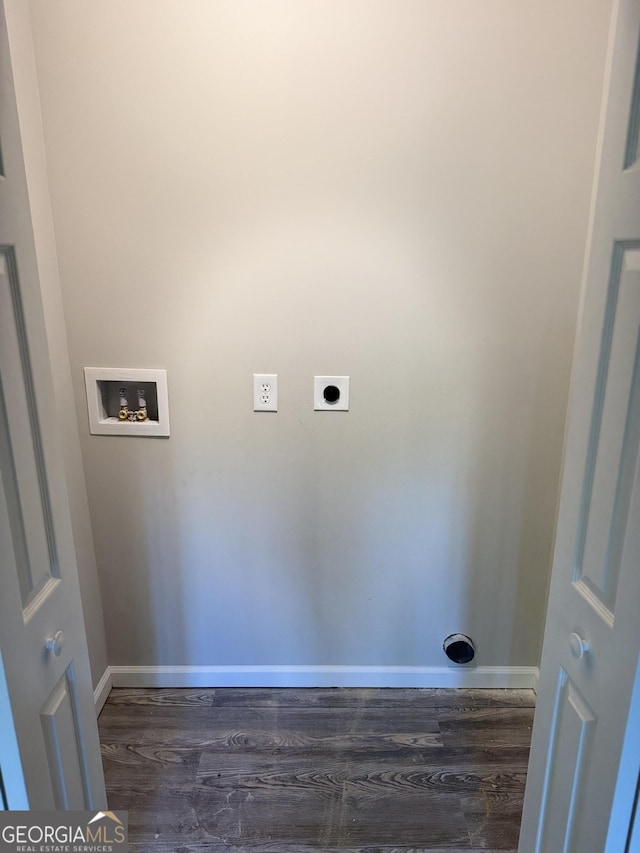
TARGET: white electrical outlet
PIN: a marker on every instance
(265, 392)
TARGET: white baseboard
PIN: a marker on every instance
(102, 690)
(536, 681)
(323, 676)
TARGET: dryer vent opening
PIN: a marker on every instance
(459, 648)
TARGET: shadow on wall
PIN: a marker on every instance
(317, 562)
(361, 538)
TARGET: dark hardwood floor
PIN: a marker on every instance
(301, 770)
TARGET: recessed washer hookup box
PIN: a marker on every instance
(127, 401)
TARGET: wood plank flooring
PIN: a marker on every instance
(308, 770)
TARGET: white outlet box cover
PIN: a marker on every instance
(265, 392)
(99, 380)
(320, 403)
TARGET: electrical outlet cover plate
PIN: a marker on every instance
(265, 392)
(323, 402)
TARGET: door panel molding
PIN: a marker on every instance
(567, 758)
(9, 278)
(632, 152)
(600, 538)
(63, 740)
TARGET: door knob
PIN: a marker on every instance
(54, 644)
(578, 646)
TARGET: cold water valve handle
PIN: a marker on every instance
(123, 413)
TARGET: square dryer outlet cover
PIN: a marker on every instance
(331, 393)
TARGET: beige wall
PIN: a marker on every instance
(396, 190)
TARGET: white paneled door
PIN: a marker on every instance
(49, 746)
(592, 635)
